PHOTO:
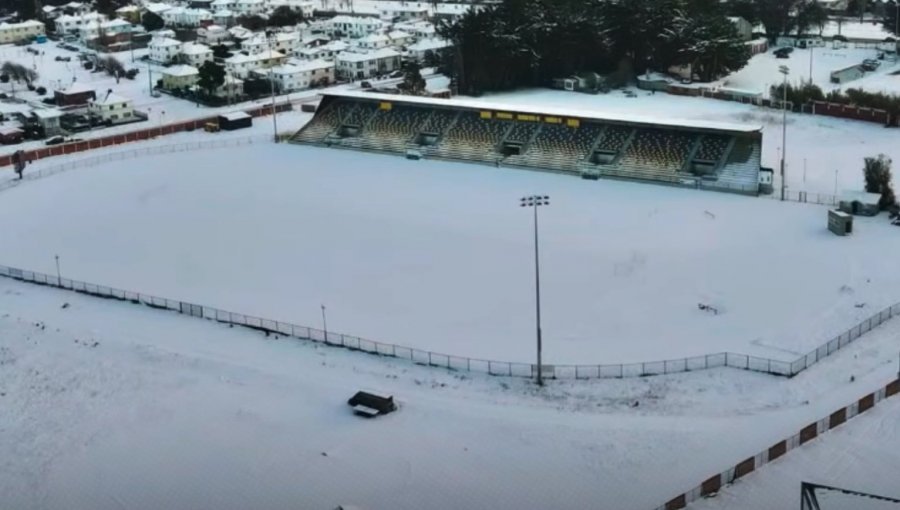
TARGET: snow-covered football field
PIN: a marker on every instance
(439, 256)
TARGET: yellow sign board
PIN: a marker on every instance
(529, 118)
(552, 120)
(503, 115)
(573, 123)
(485, 115)
(384, 105)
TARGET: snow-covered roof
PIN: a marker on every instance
(235, 115)
(91, 16)
(860, 196)
(163, 42)
(78, 88)
(374, 38)
(157, 7)
(239, 58)
(128, 8)
(314, 65)
(115, 23)
(223, 13)
(47, 113)
(111, 98)
(195, 49)
(355, 20)
(180, 70)
(8, 130)
(477, 104)
(48, 8)
(429, 44)
(349, 56)
(398, 34)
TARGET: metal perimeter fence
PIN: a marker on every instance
(134, 153)
(461, 363)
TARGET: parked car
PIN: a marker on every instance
(870, 64)
(55, 140)
(131, 73)
(366, 85)
(60, 58)
(396, 74)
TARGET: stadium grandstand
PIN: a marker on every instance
(706, 155)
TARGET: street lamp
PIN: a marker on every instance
(535, 201)
(784, 70)
(58, 274)
(272, 84)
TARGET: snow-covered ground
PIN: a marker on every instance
(761, 72)
(438, 255)
(824, 153)
(861, 456)
(110, 405)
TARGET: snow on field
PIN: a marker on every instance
(861, 455)
(110, 405)
(761, 72)
(438, 255)
(824, 153)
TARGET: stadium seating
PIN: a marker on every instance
(391, 130)
(614, 138)
(320, 126)
(740, 172)
(711, 148)
(472, 137)
(657, 149)
(559, 147)
(522, 132)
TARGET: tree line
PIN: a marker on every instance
(530, 42)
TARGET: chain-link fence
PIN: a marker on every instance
(461, 363)
(134, 153)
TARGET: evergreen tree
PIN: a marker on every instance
(877, 173)
(710, 45)
(210, 77)
(890, 21)
(284, 16)
(413, 83)
(152, 21)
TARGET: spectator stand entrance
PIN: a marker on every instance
(707, 155)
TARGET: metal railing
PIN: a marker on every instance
(462, 363)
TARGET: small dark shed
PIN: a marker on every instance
(235, 120)
(369, 404)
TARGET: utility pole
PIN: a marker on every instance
(324, 323)
(58, 274)
(535, 201)
(272, 84)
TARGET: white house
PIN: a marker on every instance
(223, 17)
(112, 108)
(372, 42)
(157, 8)
(285, 42)
(231, 87)
(186, 17)
(212, 35)
(164, 49)
(77, 8)
(404, 13)
(67, 24)
(352, 26)
(196, 54)
(180, 76)
(424, 49)
(400, 38)
(258, 43)
(26, 30)
(111, 28)
(240, 64)
(323, 52)
(248, 7)
(299, 75)
(225, 5)
(417, 28)
(359, 66)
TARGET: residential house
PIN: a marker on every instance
(112, 30)
(179, 77)
(187, 17)
(213, 35)
(76, 8)
(241, 64)
(130, 13)
(257, 43)
(352, 26)
(223, 17)
(112, 108)
(423, 51)
(372, 42)
(231, 87)
(157, 8)
(50, 12)
(404, 13)
(359, 66)
(324, 52)
(70, 25)
(419, 29)
(164, 49)
(400, 38)
(299, 76)
(285, 42)
(24, 31)
(248, 7)
(48, 119)
(196, 54)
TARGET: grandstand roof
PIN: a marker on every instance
(552, 110)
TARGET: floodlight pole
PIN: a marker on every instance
(784, 71)
(272, 85)
(535, 201)
(324, 324)
(58, 274)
